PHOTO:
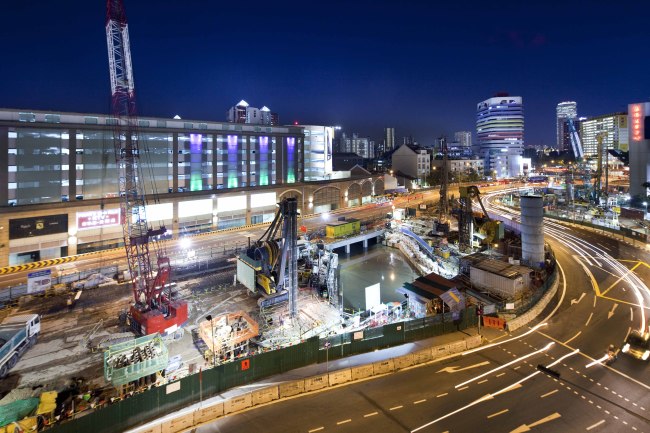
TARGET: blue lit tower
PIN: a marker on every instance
(500, 134)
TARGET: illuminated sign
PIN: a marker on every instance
(46, 225)
(636, 117)
(96, 219)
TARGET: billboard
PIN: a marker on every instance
(39, 281)
(39, 226)
(97, 219)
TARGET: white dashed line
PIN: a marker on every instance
(500, 374)
(345, 421)
(483, 381)
(396, 407)
(420, 401)
(602, 421)
(498, 413)
(441, 395)
(370, 414)
(465, 387)
(548, 393)
(316, 429)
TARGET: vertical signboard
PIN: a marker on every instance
(637, 122)
(373, 296)
(39, 281)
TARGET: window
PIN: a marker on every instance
(143, 123)
(26, 117)
(111, 121)
(53, 118)
(91, 120)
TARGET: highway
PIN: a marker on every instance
(601, 298)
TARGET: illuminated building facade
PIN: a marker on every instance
(612, 128)
(500, 134)
(563, 111)
(55, 162)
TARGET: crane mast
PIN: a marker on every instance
(151, 312)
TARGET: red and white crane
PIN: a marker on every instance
(153, 309)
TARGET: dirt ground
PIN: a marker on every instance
(70, 345)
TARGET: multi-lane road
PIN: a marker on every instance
(498, 388)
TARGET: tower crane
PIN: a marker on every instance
(153, 309)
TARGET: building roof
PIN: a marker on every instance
(242, 103)
(502, 269)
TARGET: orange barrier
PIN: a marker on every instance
(494, 322)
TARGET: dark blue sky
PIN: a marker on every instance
(420, 66)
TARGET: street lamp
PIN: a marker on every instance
(214, 355)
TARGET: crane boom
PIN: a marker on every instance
(148, 284)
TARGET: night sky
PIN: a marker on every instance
(363, 65)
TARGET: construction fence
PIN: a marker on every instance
(159, 401)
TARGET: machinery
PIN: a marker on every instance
(275, 258)
(443, 206)
(153, 310)
(17, 334)
(466, 218)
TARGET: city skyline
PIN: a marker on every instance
(364, 66)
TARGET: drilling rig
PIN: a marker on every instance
(443, 206)
(153, 310)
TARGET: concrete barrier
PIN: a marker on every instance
(440, 351)
(457, 347)
(403, 361)
(265, 395)
(292, 388)
(362, 372)
(153, 429)
(316, 382)
(237, 403)
(208, 413)
(537, 309)
(382, 367)
(473, 342)
(341, 376)
(179, 423)
(422, 356)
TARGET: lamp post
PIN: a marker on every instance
(327, 356)
(214, 355)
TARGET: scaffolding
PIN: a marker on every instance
(227, 335)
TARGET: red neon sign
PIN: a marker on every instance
(636, 119)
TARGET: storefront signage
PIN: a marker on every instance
(47, 225)
(96, 219)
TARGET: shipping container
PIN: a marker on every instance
(339, 229)
(502, 286)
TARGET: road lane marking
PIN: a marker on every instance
(465, 387)
(500, 374)
(396, 407)
(344, 421)
(370, 414)
(631, 315)
(602, 421)
(589, 319)
(611, 312)
(455, 369)
(577, 301)
(497, 413)
(548, 393)
(441, 395)
(420, 401)
(316, 429)
(595, 297)
(543, 349)
(483, 381)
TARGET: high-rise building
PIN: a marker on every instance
(612, 128)
(639, 145)
(564, 110)
(500, 134)
(389, 139)
(362, 146)
(463, 138)
(318, 151)
(244, 113)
